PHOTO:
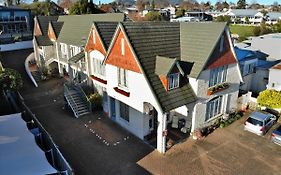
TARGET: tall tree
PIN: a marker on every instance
(140, 4)
(241, 4)
(275, 6)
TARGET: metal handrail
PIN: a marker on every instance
(84, 96)
(67, 90)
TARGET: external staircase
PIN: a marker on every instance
(76, 100)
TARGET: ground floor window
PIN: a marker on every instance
(124, 111)
(214, 107)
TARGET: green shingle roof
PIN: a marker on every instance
(106, 31)
(57, 26)
(43, 21)
(151, 39)
(76, 28)
(198, 41)
(164, 65)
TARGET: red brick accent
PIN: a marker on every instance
(227, 57)
(164, 81)
(120, 91)
(97, 46)
(98, 79)
(51, 33)
(126, 61)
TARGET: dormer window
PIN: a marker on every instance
(173, 81)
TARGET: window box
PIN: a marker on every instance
(217, 88)
(99, 79)
(120, 91)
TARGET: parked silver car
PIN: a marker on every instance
(259, 122)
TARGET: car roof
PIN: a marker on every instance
(260, 115)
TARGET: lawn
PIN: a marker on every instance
(242, 31)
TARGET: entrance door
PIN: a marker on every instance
(112, 109)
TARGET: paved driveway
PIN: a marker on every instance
(227, 151)
(91, 144)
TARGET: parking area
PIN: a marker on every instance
(229, 150)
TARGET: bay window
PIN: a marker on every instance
(218, 76)
(214, 108)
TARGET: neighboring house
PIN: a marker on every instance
(156, 72)
(202, 16)
(274, 81)
(254, 66)
(16, 24)
(241, 15)
(273, 17)
(269, 44)
(63, 40)
(55, 9)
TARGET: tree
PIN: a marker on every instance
(275, 6)
(225, 5)
(219, 5)
(84, 7)
(241, 4)
(140, 4)
(66, 4)
(10, 79)
(257, 31)
(270, 99)
(180, 12)
(153, 16)
(222, 18)
(247, 21)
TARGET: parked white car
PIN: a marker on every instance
(259, 122)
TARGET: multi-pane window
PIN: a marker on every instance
(218, 75)
(214, 108)
(248, 68)
(124, 111)
(63, 48)
(99, 68)
(173, 81)
(74, 50)
(122, 77)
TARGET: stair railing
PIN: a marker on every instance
(67, 96)
(83, 96)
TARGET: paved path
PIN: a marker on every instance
(91, 144)
(227, 151)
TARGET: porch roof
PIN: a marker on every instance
(77, 57)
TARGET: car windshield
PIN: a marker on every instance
(254, 121)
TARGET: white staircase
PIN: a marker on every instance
(75, 101)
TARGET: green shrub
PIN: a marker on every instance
(96, 100)
(270, 99)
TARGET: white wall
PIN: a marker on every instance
(274, 78)
(230, 95)
(259, 80)
(16, 46)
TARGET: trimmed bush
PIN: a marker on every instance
(270, 99)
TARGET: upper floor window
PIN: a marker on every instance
(74, 50)
(122, 46)
(173, 81)
(248, 68)
(222, 43)
(214, 108)
(99, 68)
(218, 75)
(63, 48)
(122, 77)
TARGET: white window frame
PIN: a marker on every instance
(214, 108)
(122, 46)
(122, 77)
(63, 48)
(218, 76)
(99, 68)
(173, 81)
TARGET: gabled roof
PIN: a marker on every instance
(43, 40)
(244, 12)
(198, 40)
(164, 65)
(76, 28)
(106, 31)
(57, 26)
(274, 15)
(151, 39)
(43, 22)
(77, 57)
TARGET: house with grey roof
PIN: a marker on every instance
(60, 40)
(242, 15)
(164, 80)
(273, 17)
